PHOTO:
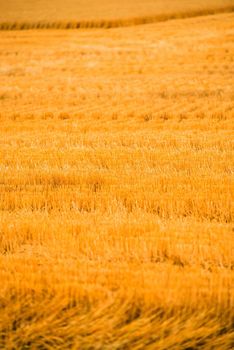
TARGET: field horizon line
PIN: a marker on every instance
(111, 23)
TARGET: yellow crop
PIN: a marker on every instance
(116, 187)
(70, 14)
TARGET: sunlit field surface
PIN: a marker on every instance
(25, 14)
(117, 187)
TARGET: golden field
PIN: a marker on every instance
(117, 187)
(26, 14)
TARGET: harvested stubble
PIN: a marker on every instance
(73, 14)
(116, 187)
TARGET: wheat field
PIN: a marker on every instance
(69, 14)
(117, 187)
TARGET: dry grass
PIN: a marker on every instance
(116, 187)
(73, 14)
